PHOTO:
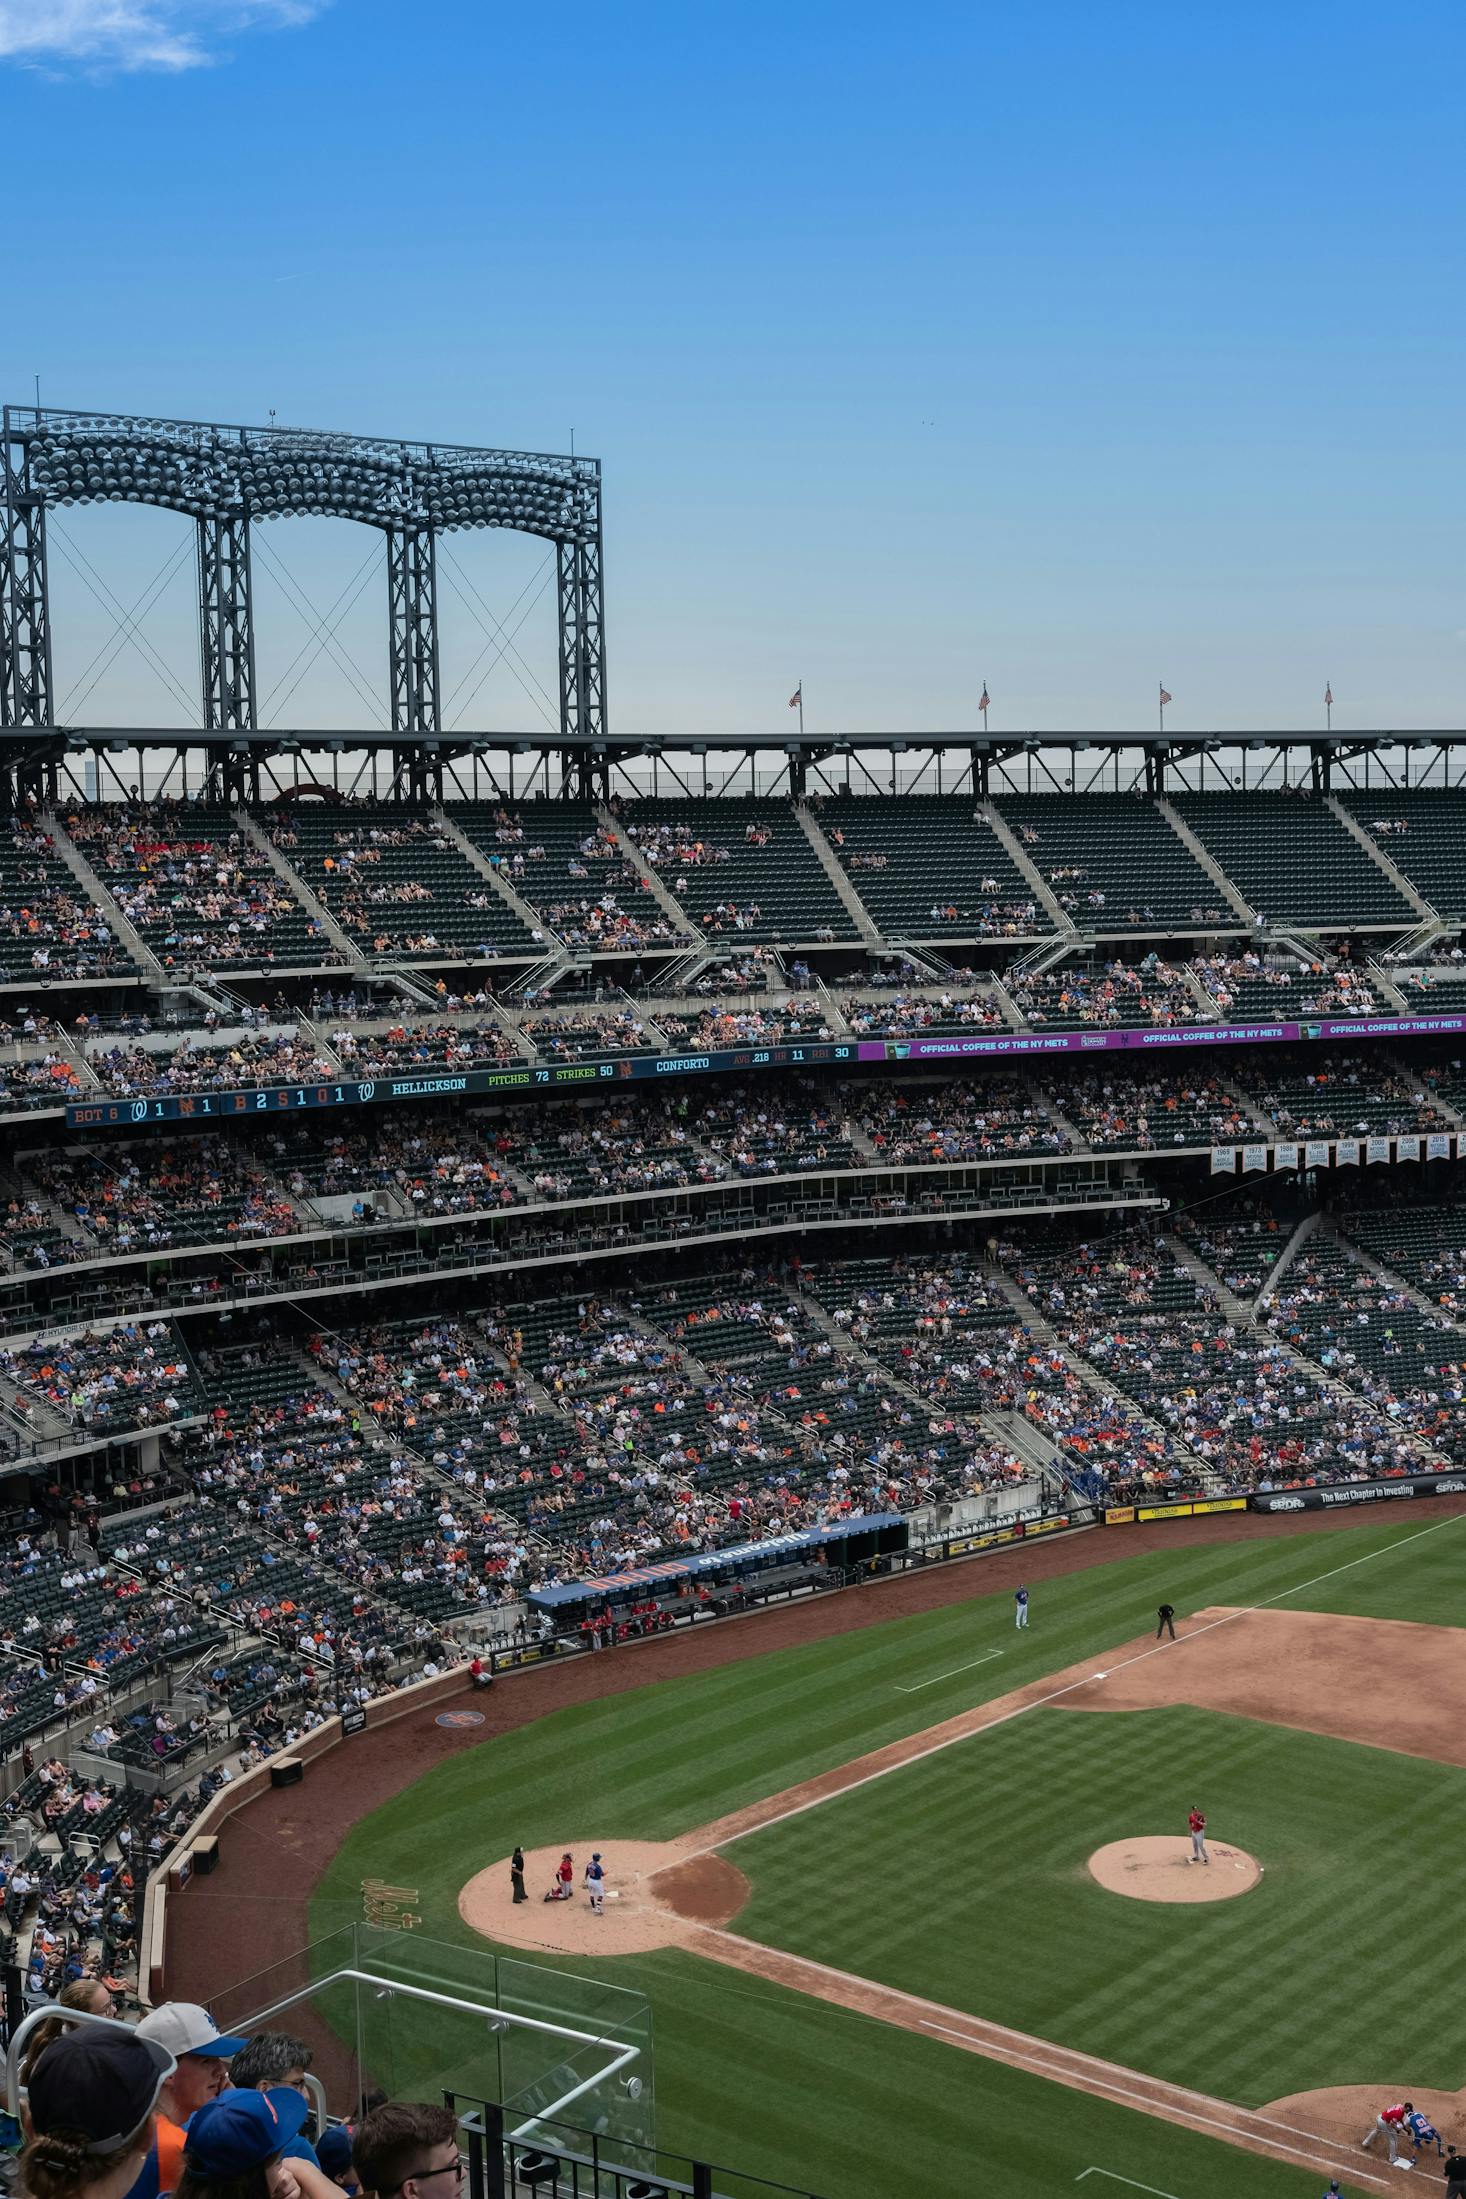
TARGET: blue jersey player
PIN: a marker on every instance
(1423, 2133)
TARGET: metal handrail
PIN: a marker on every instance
(498, 2018)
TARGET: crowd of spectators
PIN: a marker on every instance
(1117, 1108)
(765, 1131)
(290, 1057)
(151, 1196)
(38, 1080)
(135, 1375)
(907, 1015)
(949, 1332)
(734, 1027)
(439, 1165)
(48, 928)
(1121, 993)
(1242, 1403)
(1370, 1332)
(1426, 1245)
(194, 885)
(614, 1146)
(379, 910)
(1276, 984)
(574, 1036)
(396, 1048)
(1241, 1247)
(921, 1125)
(1343, 1095)
(581, 893)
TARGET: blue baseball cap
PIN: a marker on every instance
(333, 2149)
(242, 2130)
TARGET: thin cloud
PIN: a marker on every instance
(106, 35)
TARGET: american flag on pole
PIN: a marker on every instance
(1328, 696)
(1165, 698)
(797, 697)
(983, 704)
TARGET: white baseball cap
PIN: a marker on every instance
(183, 2027)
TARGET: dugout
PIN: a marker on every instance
(650, 1598)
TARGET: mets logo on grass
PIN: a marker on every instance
(459, 1718)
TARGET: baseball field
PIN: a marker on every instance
(855, 1885)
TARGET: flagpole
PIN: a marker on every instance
(1161, 687)
(1328, 707)
(801, 706)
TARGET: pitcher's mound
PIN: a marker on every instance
(657, 1892)
(1159, 1868)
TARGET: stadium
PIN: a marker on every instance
(827, 1341)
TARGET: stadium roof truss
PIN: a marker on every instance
(41, 761)
(225, 479)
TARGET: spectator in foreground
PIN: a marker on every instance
(202, 2053)
(234, 2147)
(271, 2060)
(92, 1995)
(333, 2151)
(90, 2108)
(410, 2148)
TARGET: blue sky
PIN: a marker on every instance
(1072, 348)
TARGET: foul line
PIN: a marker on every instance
(1116, 2178)
(1055, 1695)
(1166, 2109)
(1069, 2066)
(986, 1658)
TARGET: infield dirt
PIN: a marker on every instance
(1383, 1683)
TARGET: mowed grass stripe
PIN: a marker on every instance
(1019, 1810)
(668, 1757)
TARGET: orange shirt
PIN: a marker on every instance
(169, 2139)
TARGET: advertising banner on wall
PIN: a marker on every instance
(1129, 1515)
(1359, 1492)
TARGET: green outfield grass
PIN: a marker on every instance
(1224, 1998)
(780, 2087)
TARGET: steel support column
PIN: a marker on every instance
(26, 687)
(226, 623)
(412, 612)
(582, 639)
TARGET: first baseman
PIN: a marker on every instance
(1390, 2121)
